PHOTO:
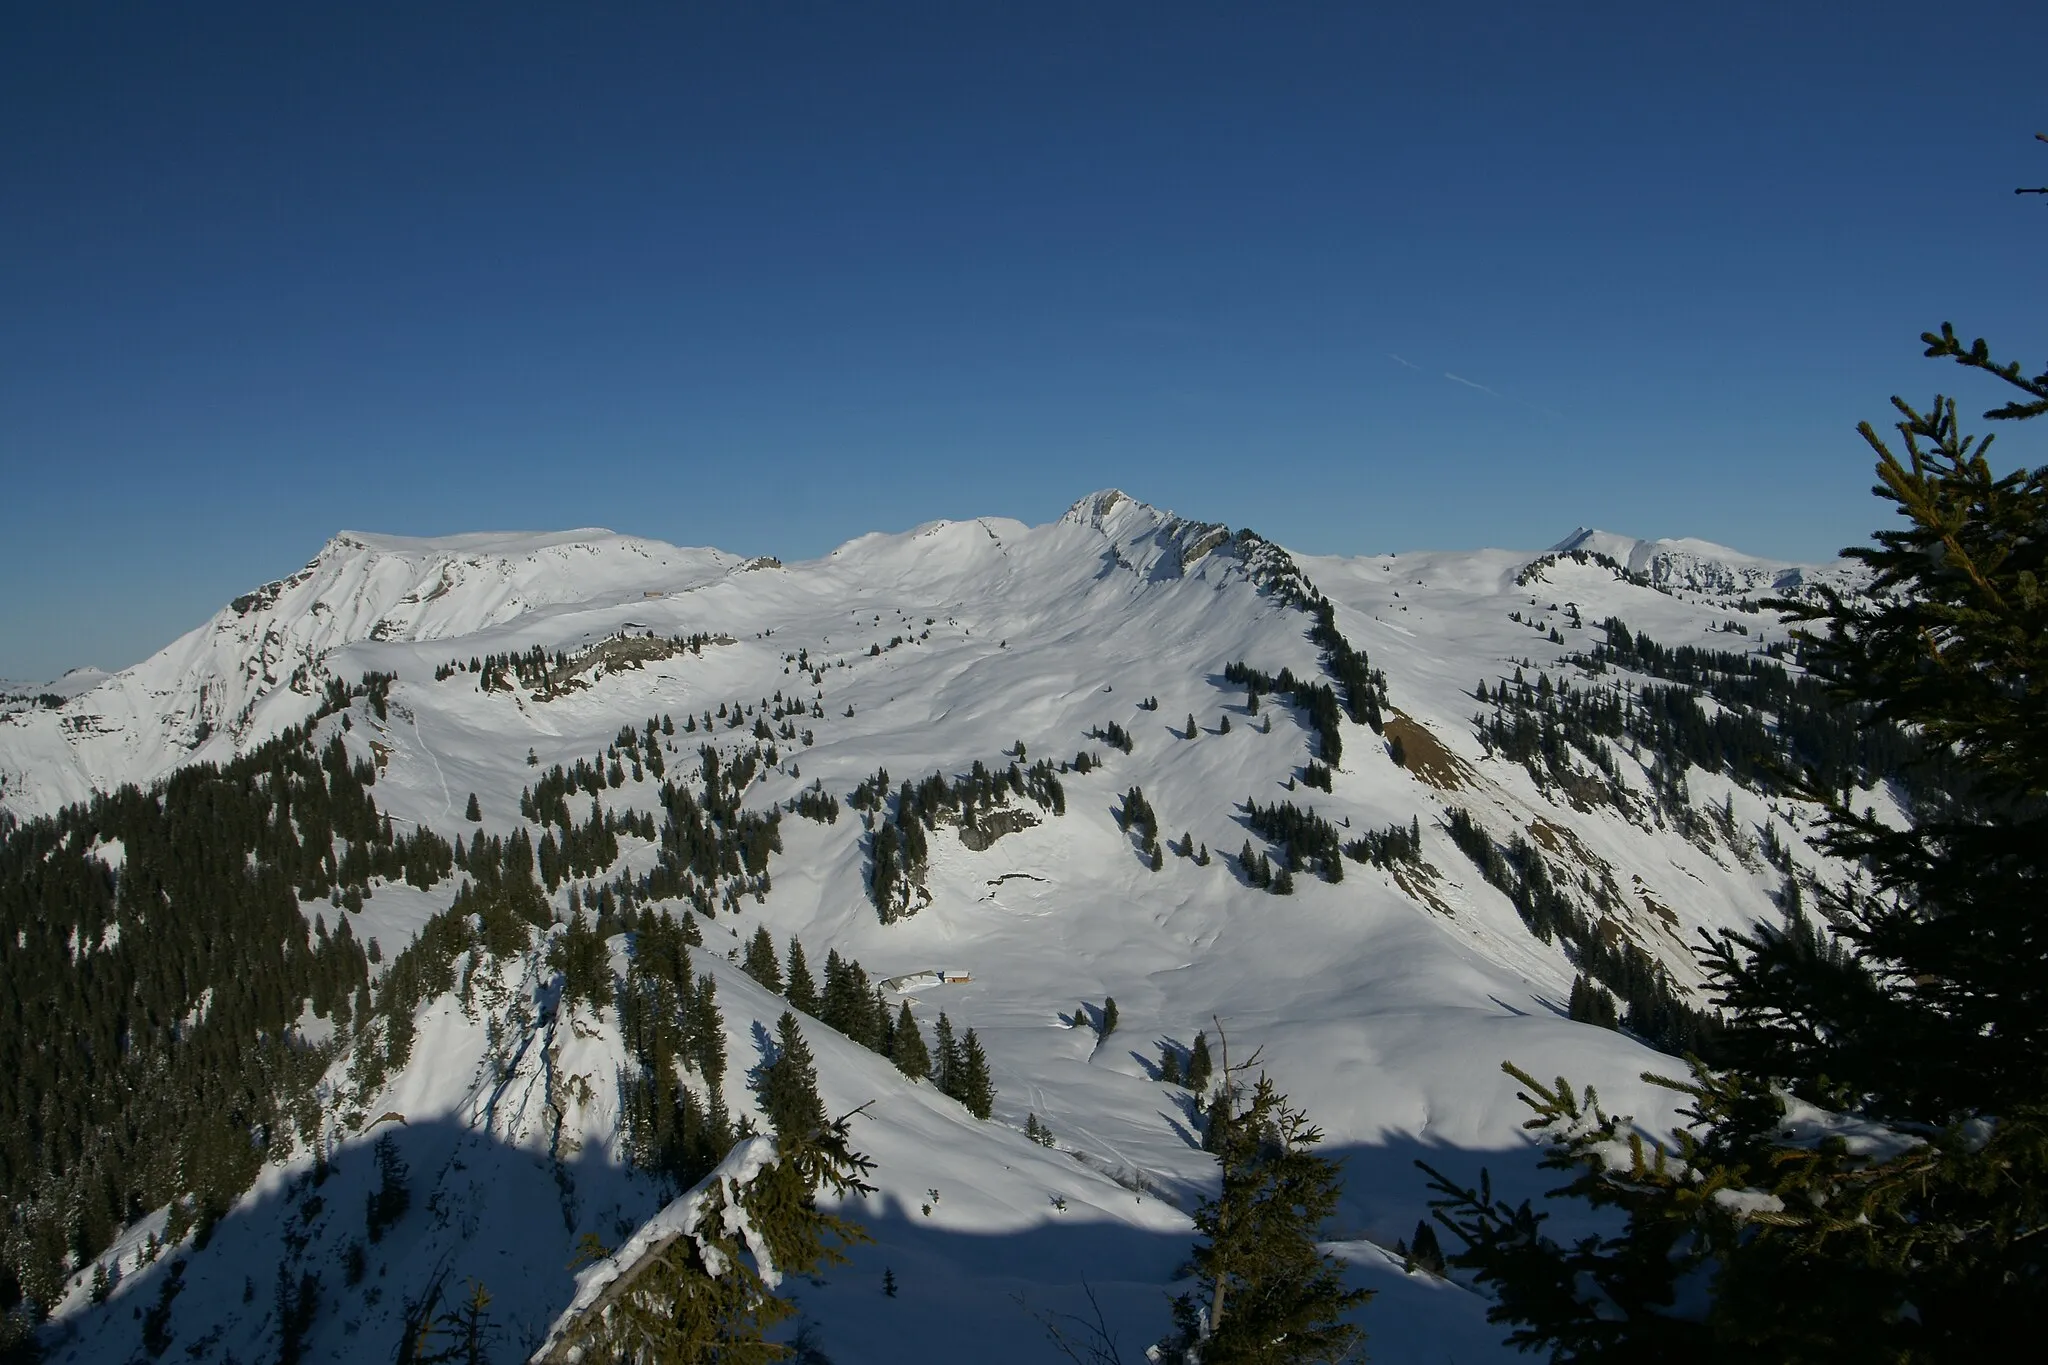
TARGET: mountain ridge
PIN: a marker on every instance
(1165, 788)
(204, 688)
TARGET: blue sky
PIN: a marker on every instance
(769, 276)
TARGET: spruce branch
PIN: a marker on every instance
(1977, 356)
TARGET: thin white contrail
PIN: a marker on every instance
(1470, 384)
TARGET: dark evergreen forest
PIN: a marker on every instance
(149, 1054)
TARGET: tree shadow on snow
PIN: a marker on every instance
(969, 1284)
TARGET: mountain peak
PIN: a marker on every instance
(1091, 510)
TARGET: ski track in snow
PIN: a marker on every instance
(447, 797)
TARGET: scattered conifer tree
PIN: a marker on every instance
(578, 953)
(297, 1302)
(906, 1046)
(473, 812)
(1266, 1291)
(471, 1329)
(946, 1060)
(1199, 1065)
(977, 1092)
(393, 1196)
(799, 989)
(1425, 1252)
(1591, 1004)
(788, 1086)
(760, 961)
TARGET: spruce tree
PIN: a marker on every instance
(760, 962)
(1425, 1252)
(946, 1062)
(1915, 1011)
(906, 1046)
(579, 954)
(788, 1086)
(1108, 1015)
(846, 1005)
(473, 812)
(471, 1327)
(704, 1033)
(1267, 1294)
(388, 1203)
(799, 989)
(883, 1027)
(977, 1092)
(1199, 1064)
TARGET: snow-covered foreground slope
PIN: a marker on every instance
(1383, 1005)
(980, 1228)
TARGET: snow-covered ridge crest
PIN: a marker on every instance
(260, 663)
(491, 543)
(1702, 567)
(1150, 539)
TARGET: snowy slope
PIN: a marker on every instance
(1383, 1007)
(255, 667)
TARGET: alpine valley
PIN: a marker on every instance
(386, 959)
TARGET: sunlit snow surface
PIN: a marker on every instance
(1384, 1016)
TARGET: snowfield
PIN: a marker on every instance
(1382, 1006)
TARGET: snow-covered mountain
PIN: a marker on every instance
(1382, 1002)
(256, 666)
(1707, 570)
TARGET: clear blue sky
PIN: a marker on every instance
(767, 276)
